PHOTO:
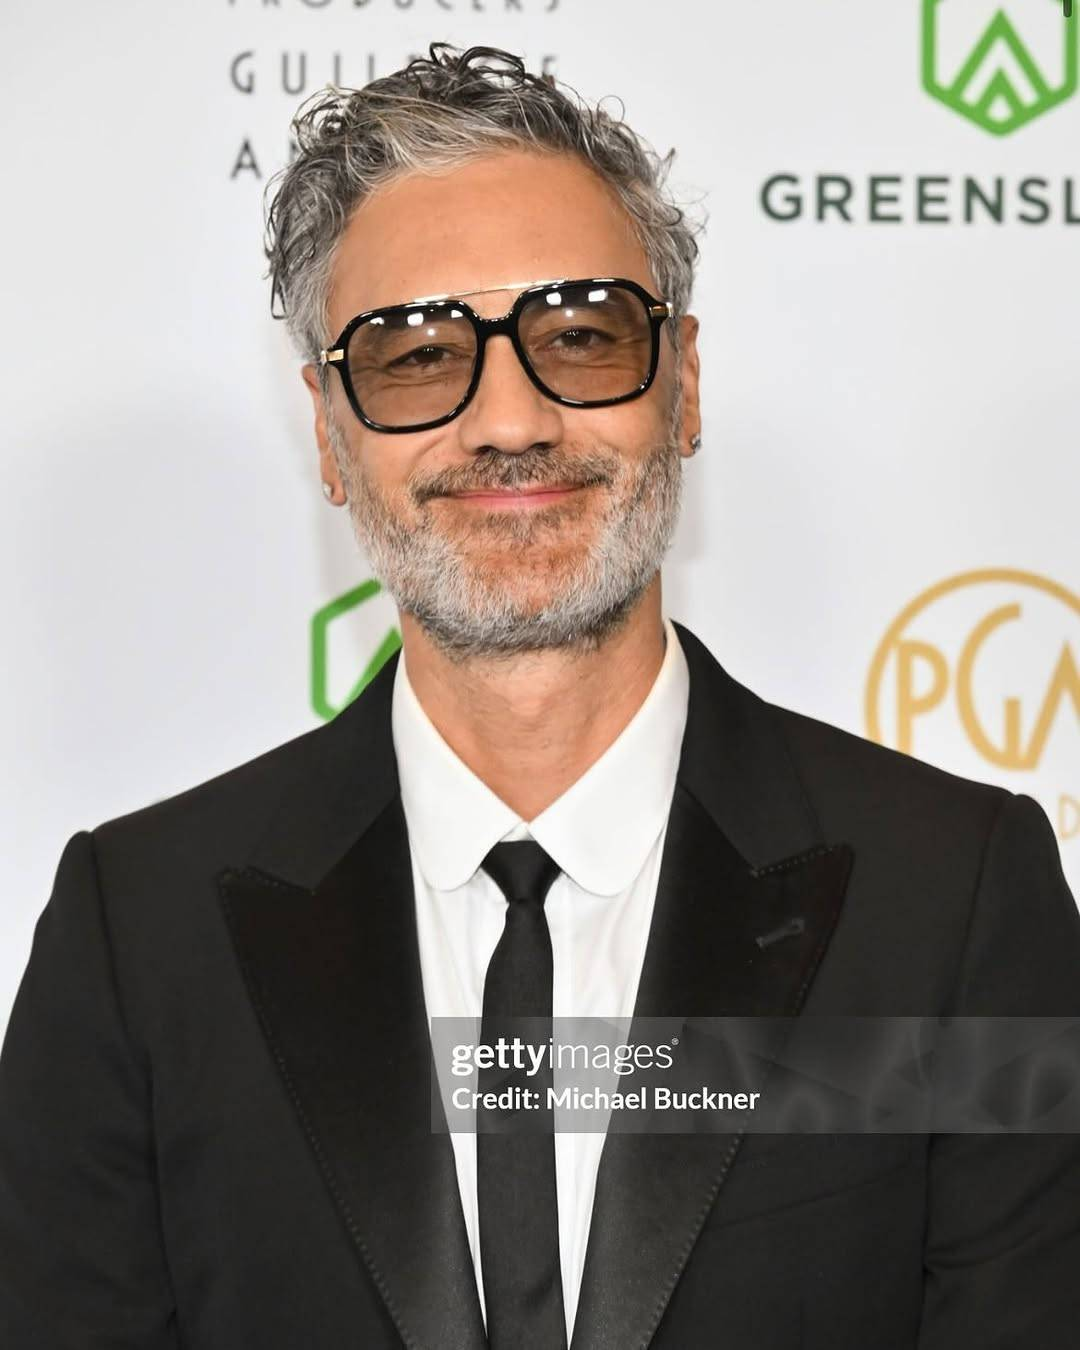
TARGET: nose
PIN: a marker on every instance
(508, 412)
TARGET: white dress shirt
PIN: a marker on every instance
(606, 832)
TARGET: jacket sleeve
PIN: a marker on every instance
(1002, 1251)
(82, 1265)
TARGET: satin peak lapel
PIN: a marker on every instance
(331, 963)
(730, 938)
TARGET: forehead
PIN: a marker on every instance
(505, 217)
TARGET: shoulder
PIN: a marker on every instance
(847, 774)
(962, 877)
(854, 789)
(213, 822)
(909, 818)
(899, 808)
(327, 771)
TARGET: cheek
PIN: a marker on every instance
(394, 464)
(631, 429)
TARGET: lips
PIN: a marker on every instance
(534, 495)
(529, 491)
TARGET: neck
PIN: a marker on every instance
(530, 726)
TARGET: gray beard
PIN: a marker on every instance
(464, 608)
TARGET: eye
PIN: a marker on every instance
(579, 339)
(423, 358)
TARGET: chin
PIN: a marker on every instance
(539, 554)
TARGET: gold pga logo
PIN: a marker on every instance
(982, 669)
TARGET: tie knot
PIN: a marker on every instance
(521, 870)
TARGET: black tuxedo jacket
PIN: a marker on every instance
(214, 1088)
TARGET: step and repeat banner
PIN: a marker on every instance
(882, 528)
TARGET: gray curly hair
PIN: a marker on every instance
(436, 113)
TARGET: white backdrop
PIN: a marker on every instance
(881, 529)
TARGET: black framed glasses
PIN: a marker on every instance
(585, 343)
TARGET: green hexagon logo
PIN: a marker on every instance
(322, 622)
(975, 61)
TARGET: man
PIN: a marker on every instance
(215, 1125)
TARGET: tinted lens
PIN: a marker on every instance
(412, 365)
(588, 343)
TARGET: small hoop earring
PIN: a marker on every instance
(695, 443)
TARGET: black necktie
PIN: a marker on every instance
(515, 1171)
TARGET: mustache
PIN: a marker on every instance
(530, 468)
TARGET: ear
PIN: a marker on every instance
(328, 468)
(690, 376)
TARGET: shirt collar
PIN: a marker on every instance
(599, 831)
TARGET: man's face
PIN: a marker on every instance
(502, 572)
